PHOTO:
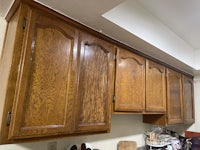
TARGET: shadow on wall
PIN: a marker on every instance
(123, 127)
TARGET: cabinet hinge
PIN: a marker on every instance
(114, 98)
(115, 57)
(8, 118)
(24, 24)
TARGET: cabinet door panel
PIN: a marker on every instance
(44, 95)
(155, 87)
(130, 82)
(188, 100)
(174, 97)
(95, 84)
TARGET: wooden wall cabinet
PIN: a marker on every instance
(58, 80)
(129, 82)
(180, 102)
(140, 84)
(95, 86)
(44, 87)
(174, 114)
(188, 99)
(155, 87)
(174, 97)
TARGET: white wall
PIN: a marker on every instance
(196, 126)
(131, 16)
(3, 24)
(123, 127)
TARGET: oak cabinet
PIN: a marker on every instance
(174, 97)
(129, 82)
(175, 114)
(58, 79)
(155, 87)
(95, 86)
(188, 99)
(44, 91)
(140, 84)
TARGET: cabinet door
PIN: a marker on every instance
(174, 97)
(130, 82)
(188, 99)
(44, 95)
(95, 88)
(155, 87)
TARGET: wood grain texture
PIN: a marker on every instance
(130, 82)
(44, 97)
(155, 87)
(127, 145)
(95, 84)
(155, 119)
(174, 97)
(9, 66)
(188, 99)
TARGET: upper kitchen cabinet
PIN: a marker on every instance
(188, 99)
(42, 78)
(129, 82)
(174, 97)
(174, 112)
(95, 87)
(155, 87)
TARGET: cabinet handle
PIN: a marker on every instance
(24, 24)
(8, 118)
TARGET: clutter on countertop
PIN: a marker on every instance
(160, 138)
(83, 146)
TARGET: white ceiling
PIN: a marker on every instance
(181, 16)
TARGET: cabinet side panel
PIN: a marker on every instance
(9, 66)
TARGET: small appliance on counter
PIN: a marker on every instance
(160, 138)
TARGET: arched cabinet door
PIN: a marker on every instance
(44, 94)
(155, 87)
(95, 86)
(129, 82)
(174, 97)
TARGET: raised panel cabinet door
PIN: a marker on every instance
(130, 82)
(155, 87)
(174, 97)
(44, 95)
(188, 99)
(95, 87)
